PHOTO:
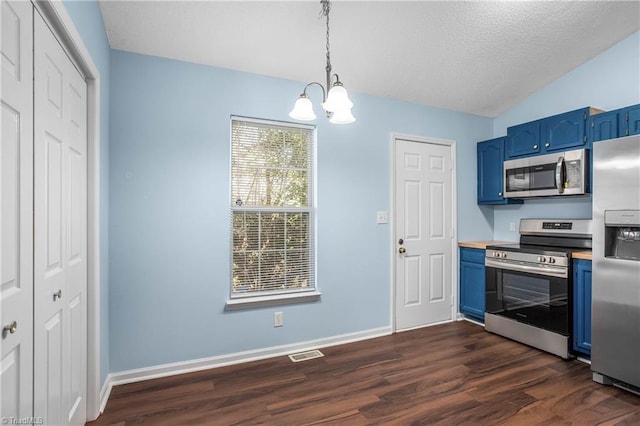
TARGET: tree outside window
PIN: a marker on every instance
(272, 208)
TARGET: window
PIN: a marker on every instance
(272, 216)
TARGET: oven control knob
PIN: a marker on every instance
(542, 259)
(552, 260)
(503, 255)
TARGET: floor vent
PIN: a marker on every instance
(304, 356)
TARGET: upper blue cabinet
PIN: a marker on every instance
(629, 119)
(557, 133)
(490, 175)
(603, 126)
(615, 124)
(523, 139)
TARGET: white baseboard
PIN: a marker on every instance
(105, 392)
(472, 320)
(164, 370)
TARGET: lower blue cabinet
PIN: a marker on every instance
(472, 286)
(582, 306)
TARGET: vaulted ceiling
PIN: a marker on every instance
(480, 57)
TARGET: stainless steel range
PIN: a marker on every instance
(528, 285)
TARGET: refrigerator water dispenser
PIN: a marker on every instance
(622, 234)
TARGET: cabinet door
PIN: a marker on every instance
(582, 306)
(564, 131)
(523, 140)
(603, 126)
(629, 121)
(490, 158)
(472, 280)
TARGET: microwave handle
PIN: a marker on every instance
(559, 177)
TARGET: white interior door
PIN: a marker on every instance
(60, 224)
(16, 219)
(424, 227)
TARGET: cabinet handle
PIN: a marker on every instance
(57, 295)
(535, 147)
(547, 145)
(500, 194)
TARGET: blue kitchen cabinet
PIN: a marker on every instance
(582, 306)
(565, 131)
(560, 132)
(604, 126)
(472, 280)
(523, 140)
(490, 155)
(615, 124)
(629, 121)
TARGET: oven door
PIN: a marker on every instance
(528, 294)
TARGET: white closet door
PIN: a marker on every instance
(423, 211)
(60, 224)
(16, 219)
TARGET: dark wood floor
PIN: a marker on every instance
(447, 374)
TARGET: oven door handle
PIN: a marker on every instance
(560, 272)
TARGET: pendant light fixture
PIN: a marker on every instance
(335, 99)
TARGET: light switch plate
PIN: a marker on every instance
(382, 217)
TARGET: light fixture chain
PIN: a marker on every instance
(326, 8)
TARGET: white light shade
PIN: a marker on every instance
(342, 116)
(303, 110)
(338, 99)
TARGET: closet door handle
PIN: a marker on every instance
(11, 328)
(57, 295)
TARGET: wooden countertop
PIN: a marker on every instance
(586, 255)
(482, 244)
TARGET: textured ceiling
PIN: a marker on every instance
(476, 57)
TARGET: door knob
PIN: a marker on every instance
(57, 295)
(402, 250)
(11, 328)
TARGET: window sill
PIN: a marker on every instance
(274, 300)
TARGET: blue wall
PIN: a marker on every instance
(608, 81)
(169, 210)
(87, 18)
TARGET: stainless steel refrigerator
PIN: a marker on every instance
(615, 325)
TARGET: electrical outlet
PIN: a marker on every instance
(278, 319)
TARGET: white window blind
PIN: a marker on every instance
(271, 208)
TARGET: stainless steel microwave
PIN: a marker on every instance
(562, 173)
